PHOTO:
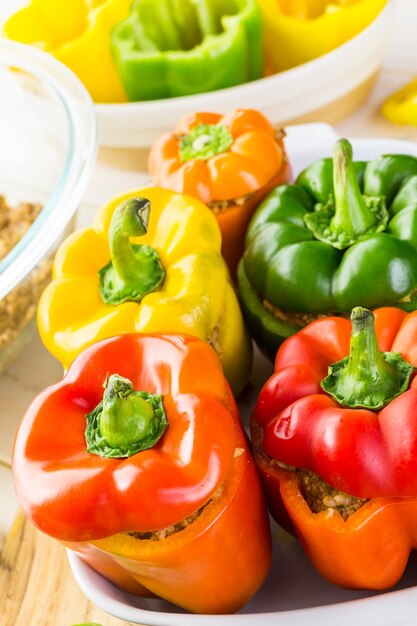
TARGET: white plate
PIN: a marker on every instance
(293, 594)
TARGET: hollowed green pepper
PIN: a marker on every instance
(344, 235)
(171, 48)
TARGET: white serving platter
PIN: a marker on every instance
(293, 594)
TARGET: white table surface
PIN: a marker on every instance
(118, 170)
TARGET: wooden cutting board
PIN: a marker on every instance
(37, 587)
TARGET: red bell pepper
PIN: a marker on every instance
(335, 437)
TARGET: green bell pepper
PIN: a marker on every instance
(344, 235)
(169, 48)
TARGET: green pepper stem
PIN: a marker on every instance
(126, 421)
(365, 359)
(347, 216)
(367, 377)
(125, 417)
(205, 141)
(352, 215)
(134, 270)
(130, 219)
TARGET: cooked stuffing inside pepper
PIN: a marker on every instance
(163, 533)
(218, 206)
(320, 496)
(299, 319)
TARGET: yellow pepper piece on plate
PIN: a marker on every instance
(161, 273)
(77, 32)
(401, 107)
(298, 31)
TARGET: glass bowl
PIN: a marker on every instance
(48, 145)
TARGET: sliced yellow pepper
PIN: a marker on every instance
(77, 32)
(297, 31)
(195, 297)
(401, 107)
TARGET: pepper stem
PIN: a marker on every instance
(126, 421)
(134, 270)
(204, 142)
(348, 216)
(367, 378)
(352, 216)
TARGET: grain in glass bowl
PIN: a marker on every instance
(48, 149)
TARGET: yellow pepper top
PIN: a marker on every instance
(298, 31)
(180, 281)
(77, 32)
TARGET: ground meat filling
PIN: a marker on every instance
(320, 496)
(214, 339)
(411, 296)
(297, 319)
(163, 533)
(219, 206)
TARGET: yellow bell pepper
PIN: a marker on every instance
(401, 107)
(174, 280)
(297, 31)
(77, 32)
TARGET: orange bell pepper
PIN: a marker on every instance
(229, 162)
(151, 482)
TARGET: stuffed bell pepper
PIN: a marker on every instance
(230, 162)
(137, 461)
(344, 235)
(150, 263)
(335, 438)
